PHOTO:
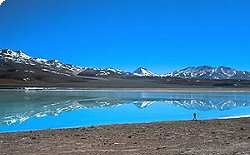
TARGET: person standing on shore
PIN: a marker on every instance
(194, 117)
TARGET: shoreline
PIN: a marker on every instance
(138, 123)
(221, 136)
(184, 90)
(103, 125)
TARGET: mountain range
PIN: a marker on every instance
(16, 65)
(208, 72)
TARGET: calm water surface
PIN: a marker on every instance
(33, 110)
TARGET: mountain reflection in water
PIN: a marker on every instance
(19, 106)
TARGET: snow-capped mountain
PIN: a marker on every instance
(107, 72)
(141, 71)
(209, 72)
(54, 66)
(18, 66)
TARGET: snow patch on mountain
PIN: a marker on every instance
(1, 1)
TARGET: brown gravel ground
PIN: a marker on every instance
(227, 137)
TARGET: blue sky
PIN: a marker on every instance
(161, 35)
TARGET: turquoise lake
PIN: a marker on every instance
(36, 110)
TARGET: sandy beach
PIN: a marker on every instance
(228, 137)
